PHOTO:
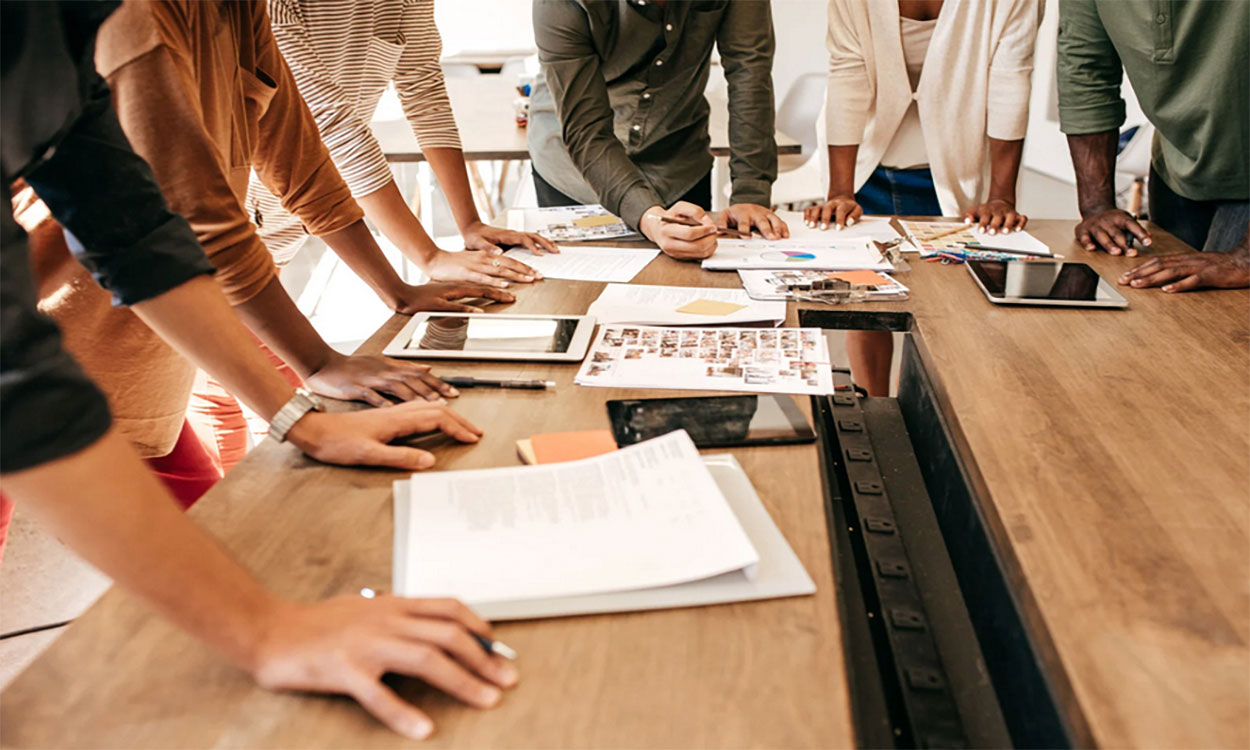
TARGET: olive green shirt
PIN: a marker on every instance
(1189, 63)
(618, 114)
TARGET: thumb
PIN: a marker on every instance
(688, 210)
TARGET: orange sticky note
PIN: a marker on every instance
(557, 447)
(710, 307)
(865, 278)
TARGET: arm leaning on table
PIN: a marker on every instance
(345, 131)
(746, 45)
(573, 72)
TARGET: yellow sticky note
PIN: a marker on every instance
(710, 307)
(602, 220)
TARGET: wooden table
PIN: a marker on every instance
(1110, 451)
(486, 117)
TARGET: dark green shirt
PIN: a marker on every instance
(1188, 61)
(618, 115)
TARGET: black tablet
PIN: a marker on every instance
(712, 421)
(1043, 282)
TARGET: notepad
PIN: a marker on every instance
(645, 516)
(558, 447)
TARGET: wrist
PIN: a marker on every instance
(1008, 198)
(650, 222)
(265, 634)
(306, 434)
(839, 193)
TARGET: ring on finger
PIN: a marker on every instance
(496, 263)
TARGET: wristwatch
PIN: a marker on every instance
(300, 404)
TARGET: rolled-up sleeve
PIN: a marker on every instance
(848, 95)
(1088, 72)
(289, 156)
(572, 70)
(1011, 72)
(158, 104)
(746, 45)
(108, 201)
(49, 408)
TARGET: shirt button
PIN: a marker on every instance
(646, 95)
(659, 63)
(1161, 18)
(668, 27)
(637, 128)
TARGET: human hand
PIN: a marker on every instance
(996, 215)
(1187, 271)
(676, 240)
(365, 377)
(1111, 229)
(480, 236)
(346, 644)
(362, 438)
(840, 211)
(440, 297)
(487, 267)
(744, 216)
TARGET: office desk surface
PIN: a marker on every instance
(486, 116)
(1110, 451)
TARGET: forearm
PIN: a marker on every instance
(842, 170)
(388, 210)
(448, 165)
(1005, 159)
(356, 246)
(216, 340)
(1093, 158)
(106, 505)
(275, 319)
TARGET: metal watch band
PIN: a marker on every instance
(300, 404)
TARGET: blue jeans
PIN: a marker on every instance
(1211, 226)
(899, 192)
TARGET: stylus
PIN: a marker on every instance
(722, 231)
(466, 382)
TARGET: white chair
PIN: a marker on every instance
(796, 117)
(460, 70)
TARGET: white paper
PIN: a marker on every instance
(928, 243)
(657, 305)
(645, 516)
(558, 223)
(752, 360)
(774, 285)
(852, 255)
(866, 228)
(588, 263)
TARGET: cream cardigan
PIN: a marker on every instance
(975, 85)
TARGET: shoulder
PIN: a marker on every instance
(141, 26)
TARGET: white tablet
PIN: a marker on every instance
(1043, 282)
(553, 338)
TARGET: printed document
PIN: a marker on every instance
(588, 263)
(569, 223)
(681, 305)
(645, 516)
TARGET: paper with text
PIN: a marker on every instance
(568, 223)
(645, 516)
(588, 263)
(667, 305)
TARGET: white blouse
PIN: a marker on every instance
(906, 150)
(975, 86)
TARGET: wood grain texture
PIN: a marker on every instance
(764, 674)
(1110, 450)
(486, 115)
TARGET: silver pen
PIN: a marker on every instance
(498, 648)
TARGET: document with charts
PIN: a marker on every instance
(761, 254)
(646, 516)
(754, 360)
(569, 223)
(783, 285)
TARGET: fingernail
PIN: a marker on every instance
(1168, 288)
(967, 221)
(825, 226)
(837, 228)
(850, 222)
(509, 675)
(451, 391)
(1147, 242)
(993, 231)
(419, 729)
(489, 696)
(426, 462)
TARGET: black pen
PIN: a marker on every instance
(460, 381)
(1007, 250)
(498, 648)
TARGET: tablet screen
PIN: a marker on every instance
(712, 421)
(493, 333)
(1038, 280)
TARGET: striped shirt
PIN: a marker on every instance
(343, 53)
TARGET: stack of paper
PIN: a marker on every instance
(680, 305)
(780, 285)
(645, 516)
(788, 360)
(588, 263)
(932, 237)
(568, 223)
(831, 255)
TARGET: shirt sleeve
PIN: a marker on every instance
(420, 84)
(289, 156)
(572, 70)
(848, 95)
(343, 130)
(1011, 71)
(107, 198)
(1088, 72)
(49, 408)
(746, 46)
(158, 104)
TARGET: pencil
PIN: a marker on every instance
(722, 231)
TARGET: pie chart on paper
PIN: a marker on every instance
(792, 256)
